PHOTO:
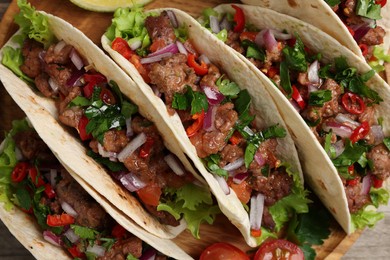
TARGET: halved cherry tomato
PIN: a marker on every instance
(242, 190)
(353, 103)
(364, 48)
(75, 252)
(255, 233)
(56, 220)
(150, 194)
(92, 80)
(19, 172)
(118, 231)
(377, 183)
(146, 148)
(136, 61)
(236, 138)
(279, 249)
(381, 2)
(120, 45)
(251, 36)
(223, 251)
(198, 124)
(82, 128)
(360, 132)
(239, 18)
(200, 69)
(107, 97)
(298, 98)
(35, 178)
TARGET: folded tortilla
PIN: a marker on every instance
(264, 109)
(320, 173)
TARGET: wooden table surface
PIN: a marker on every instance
(372, 244)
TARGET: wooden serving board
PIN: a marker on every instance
(94, 25)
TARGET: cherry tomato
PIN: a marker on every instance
(353, 103)
(360, 132)
(381, 2)
(35, 178)
(279, 249)
(239, 18)
(298, 98)
(146, 148)
(200, 69)
(59, 220)
(118, 231)
(150, 194)
(82, 128)
(364, 48)
(223, 251)
(107, 97)
(377, 183)
(19, 172)
(120, 45)
(197, 125)
(251, 36)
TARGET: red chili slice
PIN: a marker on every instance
(197, 125)
(146, 148)
(239, 18)
(200, 69)
(298, 98)
(364, 48)
(251, 36)
(360, 132)
(75, 252)
(19, 172)
(353, 103)
(49, 191)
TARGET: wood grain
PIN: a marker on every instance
(94, 25)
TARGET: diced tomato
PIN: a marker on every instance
(157, 45)
(353, 103)
(150, 194)
(351, 31)
(146, 147)
(107, 97)
(377, 183)
(75, 252)
(381, 2)
(118, 231)
(200, 69)
(197, 125)
(82, 128)
(291, 42)
(19, 172)
(35, 178)
(56, 220)
(360, 132)
(255, 233)
(29, 211)
(49, 191)
(136, 61)
(92, 80)
(279, 249)
(298, 98)
(272, 72)
(351, 169)
(251, 36)
(242, 190)
(120, 45)
(223, 251)
(236, 138)
(364, 48)
(353, 182)
(239, 18)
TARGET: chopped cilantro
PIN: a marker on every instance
(295, 57)
(80, 101)
(253, 51)
(285, 82)
(386, 142)
(197, 100)
(180, 102)
(243, 102)
(131, 257)
(212, 164)
(227, 87)
(351, 154)
(23, 198)
(112, 166)
(84, 232)
(319, 97)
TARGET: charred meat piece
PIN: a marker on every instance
(380, 156)
(32, 64)
(42, 84)
(58, 56)
(122, 248)
(163, 217)
(160, 30)
(115, 140)
(356, 200)
(32, 146)
(374, 36)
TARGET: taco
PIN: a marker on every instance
(112, 144)
(223, 117)
(53, 214)
(360, 25)
(336, 106)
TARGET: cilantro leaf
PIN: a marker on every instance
(112, 166)
(350, 155)
(84, 232)
(253, 51)
(23, 198)
(198, 101)
(386, 142)
(227, 87)
(212, 164)
(243, 102)
(180, 102)
(80, 101)
(319, 97)
(131, 257)
(285, 82)
(295, 57)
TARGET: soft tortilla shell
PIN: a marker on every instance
(265, 110)
(320, 172)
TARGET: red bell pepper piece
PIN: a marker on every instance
(197, 125)
(49, 191)
(19, 172)
(298, 98)
(236, 138)
(360, 132)
(239, 18)
(200, 69)
(56, 220)
(120, 45)
(255, 233)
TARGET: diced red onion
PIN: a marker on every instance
(377, 133)
(149, 254)
(76, 59)
(209, 118)
(174, 164)
(339, 147)
(214, 97)
(360, 32)
(270, 42)
(214, 24)
(204, 58)
(313, 87)
(181, 48)
(54, 85)
(281, 35)
(366, 185)
(225, 24)
(156, 91)
(259, 39)
(71, 235)
(52, 238)
(313, 72)
(337, 128)
(104, 153)
(259, 159)
(346, 120)
(223, 184)
(155, 58)
(132, 146)
(172, 18)
(96, 250)
(170, 48)
(68, 209)
(131, 182)
(59, 46)
(248, 130)
(240, 177)
(53, 176)
(135, 44)
(256, 211)
(129, 129)
(75, 78)
(234, 165)
(41, 56)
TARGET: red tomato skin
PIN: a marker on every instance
(223, 251)
(19, 172)
(268, 247)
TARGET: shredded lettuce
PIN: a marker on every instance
(365, 218)
(381, 56)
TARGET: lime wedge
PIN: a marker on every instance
(107, 6)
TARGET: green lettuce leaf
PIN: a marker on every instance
(365, 218)
(379, 196)
(13, 59)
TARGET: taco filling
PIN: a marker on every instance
(69, 217)
(125, 143)
(215, 113)
(333, 99)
